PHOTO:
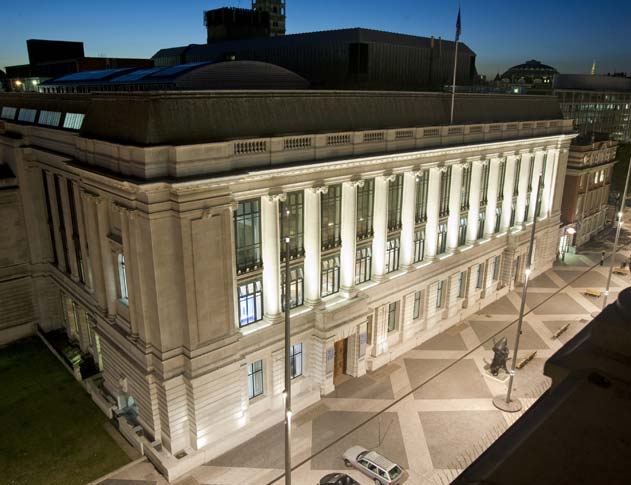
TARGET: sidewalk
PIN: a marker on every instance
(434, 430)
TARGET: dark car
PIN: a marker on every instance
(337, 479)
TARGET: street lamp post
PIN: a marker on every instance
(615, 241)
(287, 393)
(506, 404)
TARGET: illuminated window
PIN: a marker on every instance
(49, 118)
(481, 222)
(363, 264)
(441, 241)
(419, 245)
(422, 182)
(392, 316)
(250, 302)
(8, 113)
(296, 287)
(365, 201)
(392, 255)
(295, 360)
(395, 200)
(122, 278)
(294, 227)
(462, 230)
(330, 277)
(73, 121)
(247, 230)
(27, 115)
(331, 214)
(255, 379)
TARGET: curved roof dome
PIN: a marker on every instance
(530, 69)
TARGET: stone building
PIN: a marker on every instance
(152, 224)
(586, 191)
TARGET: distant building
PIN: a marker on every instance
(193, 77)
(265, 19)
(344, 59)
(597, 104)
(586, 192)
(276, 11)
(531, 76)
(53, 58)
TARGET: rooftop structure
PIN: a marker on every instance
(193, 76)
(354, 58)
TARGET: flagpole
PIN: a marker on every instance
(453, 84)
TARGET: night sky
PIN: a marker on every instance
(567, 35)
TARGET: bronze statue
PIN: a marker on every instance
(500, 356)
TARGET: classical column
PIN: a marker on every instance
(474, 201)
(380, 226)
(270, 240)
(509, 181)
(312, 244)
(548, 183)
(454, 207)
(538, 164)
(407, 219)
(52, 201)
(85, 255)
(522, 189)
(68, 229)
(433, 200)
(348, 234)
(107, 257)
(94, 244)
(491, 204)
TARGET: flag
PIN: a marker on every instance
(458, 26)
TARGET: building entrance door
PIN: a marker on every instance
(339, 365)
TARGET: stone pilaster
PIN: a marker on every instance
(474, 201)
(81, 222)
(522, 190)
(548, 182)
(348, 236)
(454, 207)
(491, 205)
(94, 243)
(52, 201)
(65, 206)
(270, 239)
(433, 200)
(107, 257)
(380, 226)
(312, 244)
(407, 220)
(130, 265)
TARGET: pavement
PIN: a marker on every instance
(431, 409)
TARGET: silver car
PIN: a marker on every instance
(372, 464)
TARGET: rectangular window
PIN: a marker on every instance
(496, 267)
(441, 241)
(122, 278)
(462, 284)
(439, 294)
(462, 230)
(296, 287)
(292, 225)
(330, 278)
(481, 222)
(419, 245)
(331, 215)
(255, 379)
(416, 314)
(530, 171)
(395, 200)
(365, 201)
(465, 188)
(250, 302)
(516, 176)
(478, 278)
(484, 183)
(392, 255)
(445, 185)
(49, 118)
(513, 212)
(49, 216)
(75, 231)
(295, 360)
(498, 218)
(73, 121)
(501, 178)
(363, 265)
(8, 113)
(62, 221)
(392, 316)
(422, 182)
(27, 115)
(247, 233)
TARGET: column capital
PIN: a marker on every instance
(119, 208)
(525, 151)
(278, 196)
(389, 177)
(319, 189)
(480, 163)
(355, 182)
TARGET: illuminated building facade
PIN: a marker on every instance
(155, 220)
